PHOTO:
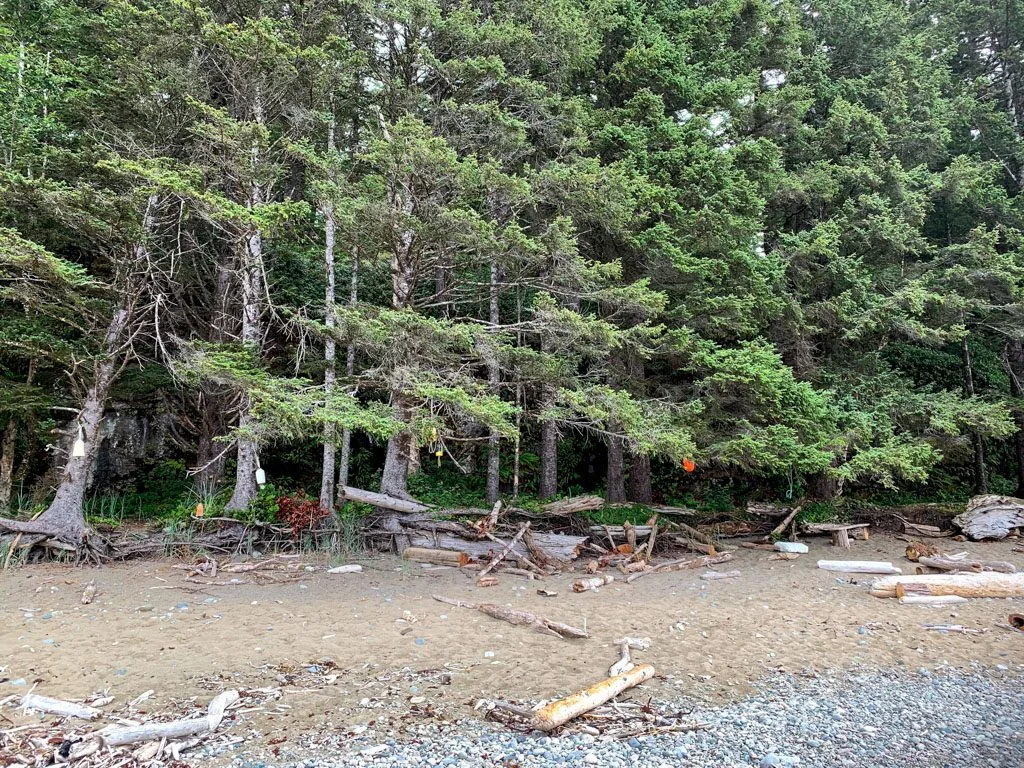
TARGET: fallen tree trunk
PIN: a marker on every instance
(975, 566)
(778, 529)
(436, 556)
(963, 584)
(561, 711)
(574, 505)
(519, 618)
(381, 500)
(508, 548)
(857, 566)
(991, 517)
(555, 545)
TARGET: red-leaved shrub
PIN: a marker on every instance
(300, 512)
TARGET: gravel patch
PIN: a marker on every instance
(868, 720)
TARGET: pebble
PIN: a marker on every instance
(849, 717)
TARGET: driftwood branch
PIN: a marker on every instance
(683, 565)
(59, 707)
(505, 552)
(176, 729)
(519, 618)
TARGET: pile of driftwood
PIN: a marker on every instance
(129, 737)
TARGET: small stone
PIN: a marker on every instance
(182, 606)
(488, 654)
(421, 641)
(121, 672)
(19, 681)
(590, 758)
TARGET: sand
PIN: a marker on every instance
(377, 639)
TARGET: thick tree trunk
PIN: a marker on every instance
(494, 383)
(616, 471)
(395, 478)
(980, 476)
(7, 463)
(1015, 367)
(640, 480)
(327, 473)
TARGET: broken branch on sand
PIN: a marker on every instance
(519, 618)
(505, 552)
(59, 707)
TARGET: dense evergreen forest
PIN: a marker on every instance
(682, 251)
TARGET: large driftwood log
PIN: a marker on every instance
(956, 564)
(381, 500)
(59, 707)
(988, 584)
(519, 618)
(857, 566)
(561, 711)
(574, 505)
(778, 529)
(991, 517)
(436, 556)
(175, 729)
(555, 545)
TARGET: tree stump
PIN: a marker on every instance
(841, 538)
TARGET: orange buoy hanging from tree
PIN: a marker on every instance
(688, 464)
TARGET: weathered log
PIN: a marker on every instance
(956, 564)
(718, 575)
(561, 711)
(683, 565)
(991, 517)
(59, 707)
(778, 529)
(573, 505)
(592, 583)
(436, 556)
(560, 546)
(674, 511)
(920, 529)
(508, 547)
(381, 500)
(617, 533)
(519, 618)
(813, 528)
(932, 599)
(767, 510)
(857, 566)
(175, 729)
(989, 584)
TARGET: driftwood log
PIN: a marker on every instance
(592, 583)
(175, 729)
(519, 618)
(932, 599)
(781, 527)
(958, 564)
(988, 584)
(858, 566)
(573, 505)
(561, 711)
(505, 552)
(555, 545)
(381, 500)
(683, 565)
(991, 517)
(436, 556)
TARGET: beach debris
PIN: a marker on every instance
(792, 546)
(561, 711)
(88, 593)
(59, 707)
(858, 566)
(350, 568)
(519, 618)
(991, 517)
(593, 583)
(718, 575)
(683, 565)
(986, 584)
(450, 557)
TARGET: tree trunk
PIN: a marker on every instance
(251, 278)
(616, 471)
(395, 478)
(64, 519)
(494, 383)
(548, 487)
(1015, 367)
(327, 473)
(350, 370)
(980, 477)
(640, 480)
(7, 463)
(65, 514)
